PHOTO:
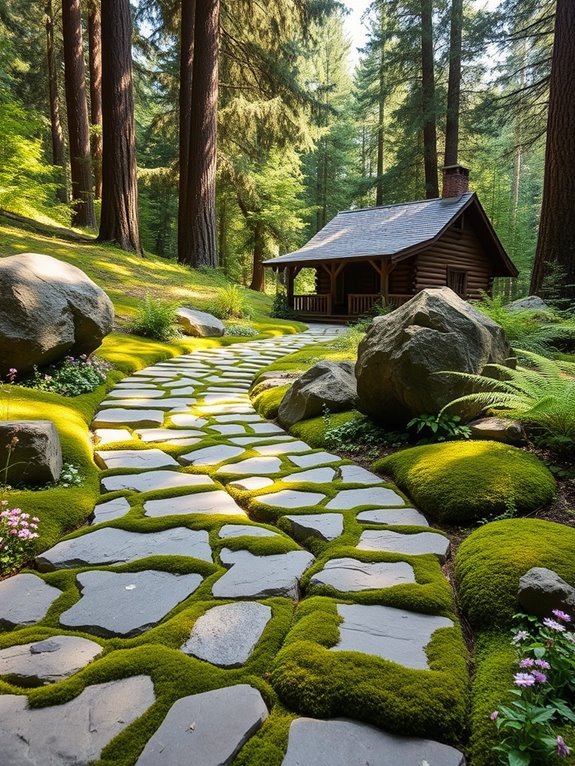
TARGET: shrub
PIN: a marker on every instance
(462, 482)
(155, 319)
(492, 559)
(280, 307)
(72, 377)
(542, 395)
(241, 330)
(229, 304)
(17, 535)
(360, 435)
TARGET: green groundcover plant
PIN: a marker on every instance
(543, 693)
(18, 530)
(71, 377)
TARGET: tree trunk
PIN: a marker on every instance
(78, 128)
(188, 15)
(428, 101)
(95, 58)
(555, 254)
(454, 84)
(258, 276)
(381, 112)
(58, 149)
(197, 228)
(119, 220)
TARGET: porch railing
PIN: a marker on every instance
(358, 303)
(312, 304)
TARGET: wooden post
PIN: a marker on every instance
(290, 281)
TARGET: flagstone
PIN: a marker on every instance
(291, 498)
(131, 393)
(168, 434)
(351, 575)
(112, 509)
(313, 476)
(155, 481)
(352, 498)
(216, 502)
(139, 460)
(251, 483)
(252, 465)
(109, 418)
(313, 459)
(46, 661)
(211, 455)
(110, 435)
(188, 421)
(260, 576)
(24, 600)
(393, 517)
(325, 526)
(355, 474)
(245, 530)
(417, 544)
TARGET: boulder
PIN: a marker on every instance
(199, 324)
(273, 380)
(497, 430)
(542, 590)
(35, 452)
(328, 385)
(530, 303)
(400, 355)
(49, 309)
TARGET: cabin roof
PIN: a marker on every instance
(394, 231)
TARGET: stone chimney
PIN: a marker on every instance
(455, 181)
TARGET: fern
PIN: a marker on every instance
(542, 395)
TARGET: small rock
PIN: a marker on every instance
(530, 303)
(542, 590)
(327, 384)
(497, 430)
(199, 324)
(35, 452)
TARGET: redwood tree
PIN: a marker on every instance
(95, 59)
(119, 219)
(197, 224)
(58, 149)
(454, 84)
(428, 101)
(188, 15)
(78, 128)
(556, 244)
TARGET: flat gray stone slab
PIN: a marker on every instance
(164, 404)
(417, 544)
(168, 434)
(260, 576)
(314, 458)
(351, 575)
(252, 465)
(75, 733)
(245, 530)
(291, 498)
(217, 502)
(154, 481)
(351, 498)
(340, 742)
(355, 474)
(226, 635)
(187, 421)
(393, 517)
(113, 509)
(393, 634)
(211, 455)
(118, 546)
(267, 428)
(223, 721)
(111, 418)
(24, 600)
(252, 483)
(136, 393)
(126, 603)
(250, 441)
(138, 460)
(313, 476)
(228, 429)
(47, 661)
(325, 526)
(106, 436)
(283, 448)
(238, 419)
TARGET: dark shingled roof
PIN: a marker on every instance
(379, 231)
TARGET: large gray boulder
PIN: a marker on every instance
(398, 358)
(48, 309)
(326, 384)
(542, 590)
(199, 324)
(30, 451)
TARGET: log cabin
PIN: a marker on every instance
(392, 252)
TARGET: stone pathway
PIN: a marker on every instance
(221, 505)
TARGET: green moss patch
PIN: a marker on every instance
(313, 431)
(462, 482)
(267, 403)
(490, 562)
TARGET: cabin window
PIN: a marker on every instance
(457, 281)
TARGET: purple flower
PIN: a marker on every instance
(524, 679)
(553, 625)
(539, 677)
(494, 715)
(527, 663)
(543, 664)
(561, 615)
(562, 749)
(521, 636)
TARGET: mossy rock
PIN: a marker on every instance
(462, 482)
(491, 561)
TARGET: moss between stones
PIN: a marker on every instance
(267, 403)
(313, 431)
(490, 562)
(317, 682)
(461, 482)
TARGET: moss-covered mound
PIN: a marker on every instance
(461, 482)
(492, 559)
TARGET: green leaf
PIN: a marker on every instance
(518, 758)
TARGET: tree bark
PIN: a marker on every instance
(258, 276)
(428, 101)
(381, 111)
(95, 59)
(58, 148)
(187, 22)
(454, 84)
(555, 255)
(78, 128)
(119, 220)
(197, 243)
